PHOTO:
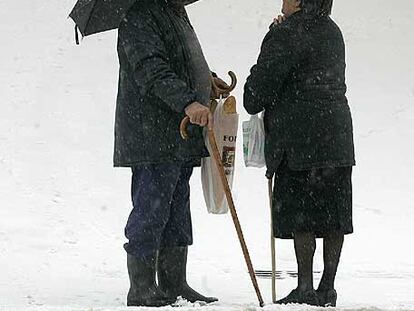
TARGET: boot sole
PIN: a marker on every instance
(151, 303)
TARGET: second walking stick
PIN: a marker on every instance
(272, 240)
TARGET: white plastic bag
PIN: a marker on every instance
(225, 130)
(254, 142)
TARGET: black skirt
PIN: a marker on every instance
(316, 200)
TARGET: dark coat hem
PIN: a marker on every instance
(317, 165)
(194, 161)
(303, 166)
(318, 235)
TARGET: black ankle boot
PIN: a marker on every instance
(327, 298)
(172, 269)
(143, 290)
(302, 297)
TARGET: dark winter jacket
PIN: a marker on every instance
(299, 80)
(156, 84)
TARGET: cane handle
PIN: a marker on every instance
(183, 128)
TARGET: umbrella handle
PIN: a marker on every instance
(232, 86)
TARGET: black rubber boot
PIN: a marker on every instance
(309, 297)
(327, 298)
(143, 289)
(172, 270)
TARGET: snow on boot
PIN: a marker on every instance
(172, 270)
(327, 298)
(143, 289)
(309, 297)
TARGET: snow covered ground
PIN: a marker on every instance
(63, 207)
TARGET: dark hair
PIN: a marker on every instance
(320, 7)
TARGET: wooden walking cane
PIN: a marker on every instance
(272, 240)
(218, 161)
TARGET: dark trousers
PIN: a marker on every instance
(161, 209)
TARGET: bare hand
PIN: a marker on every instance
(279, 20)
(200, 115)
(215, 93)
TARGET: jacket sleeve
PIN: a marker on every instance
(148, 59)
(277, 57)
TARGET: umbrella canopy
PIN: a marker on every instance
(94, 16)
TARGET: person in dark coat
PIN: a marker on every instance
(299, 83)
(163, 77)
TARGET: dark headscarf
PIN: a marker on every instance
(317, 7)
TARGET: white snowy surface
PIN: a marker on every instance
(63, 207)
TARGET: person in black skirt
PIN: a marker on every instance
(299, 81)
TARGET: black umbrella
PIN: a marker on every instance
(94, 16)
